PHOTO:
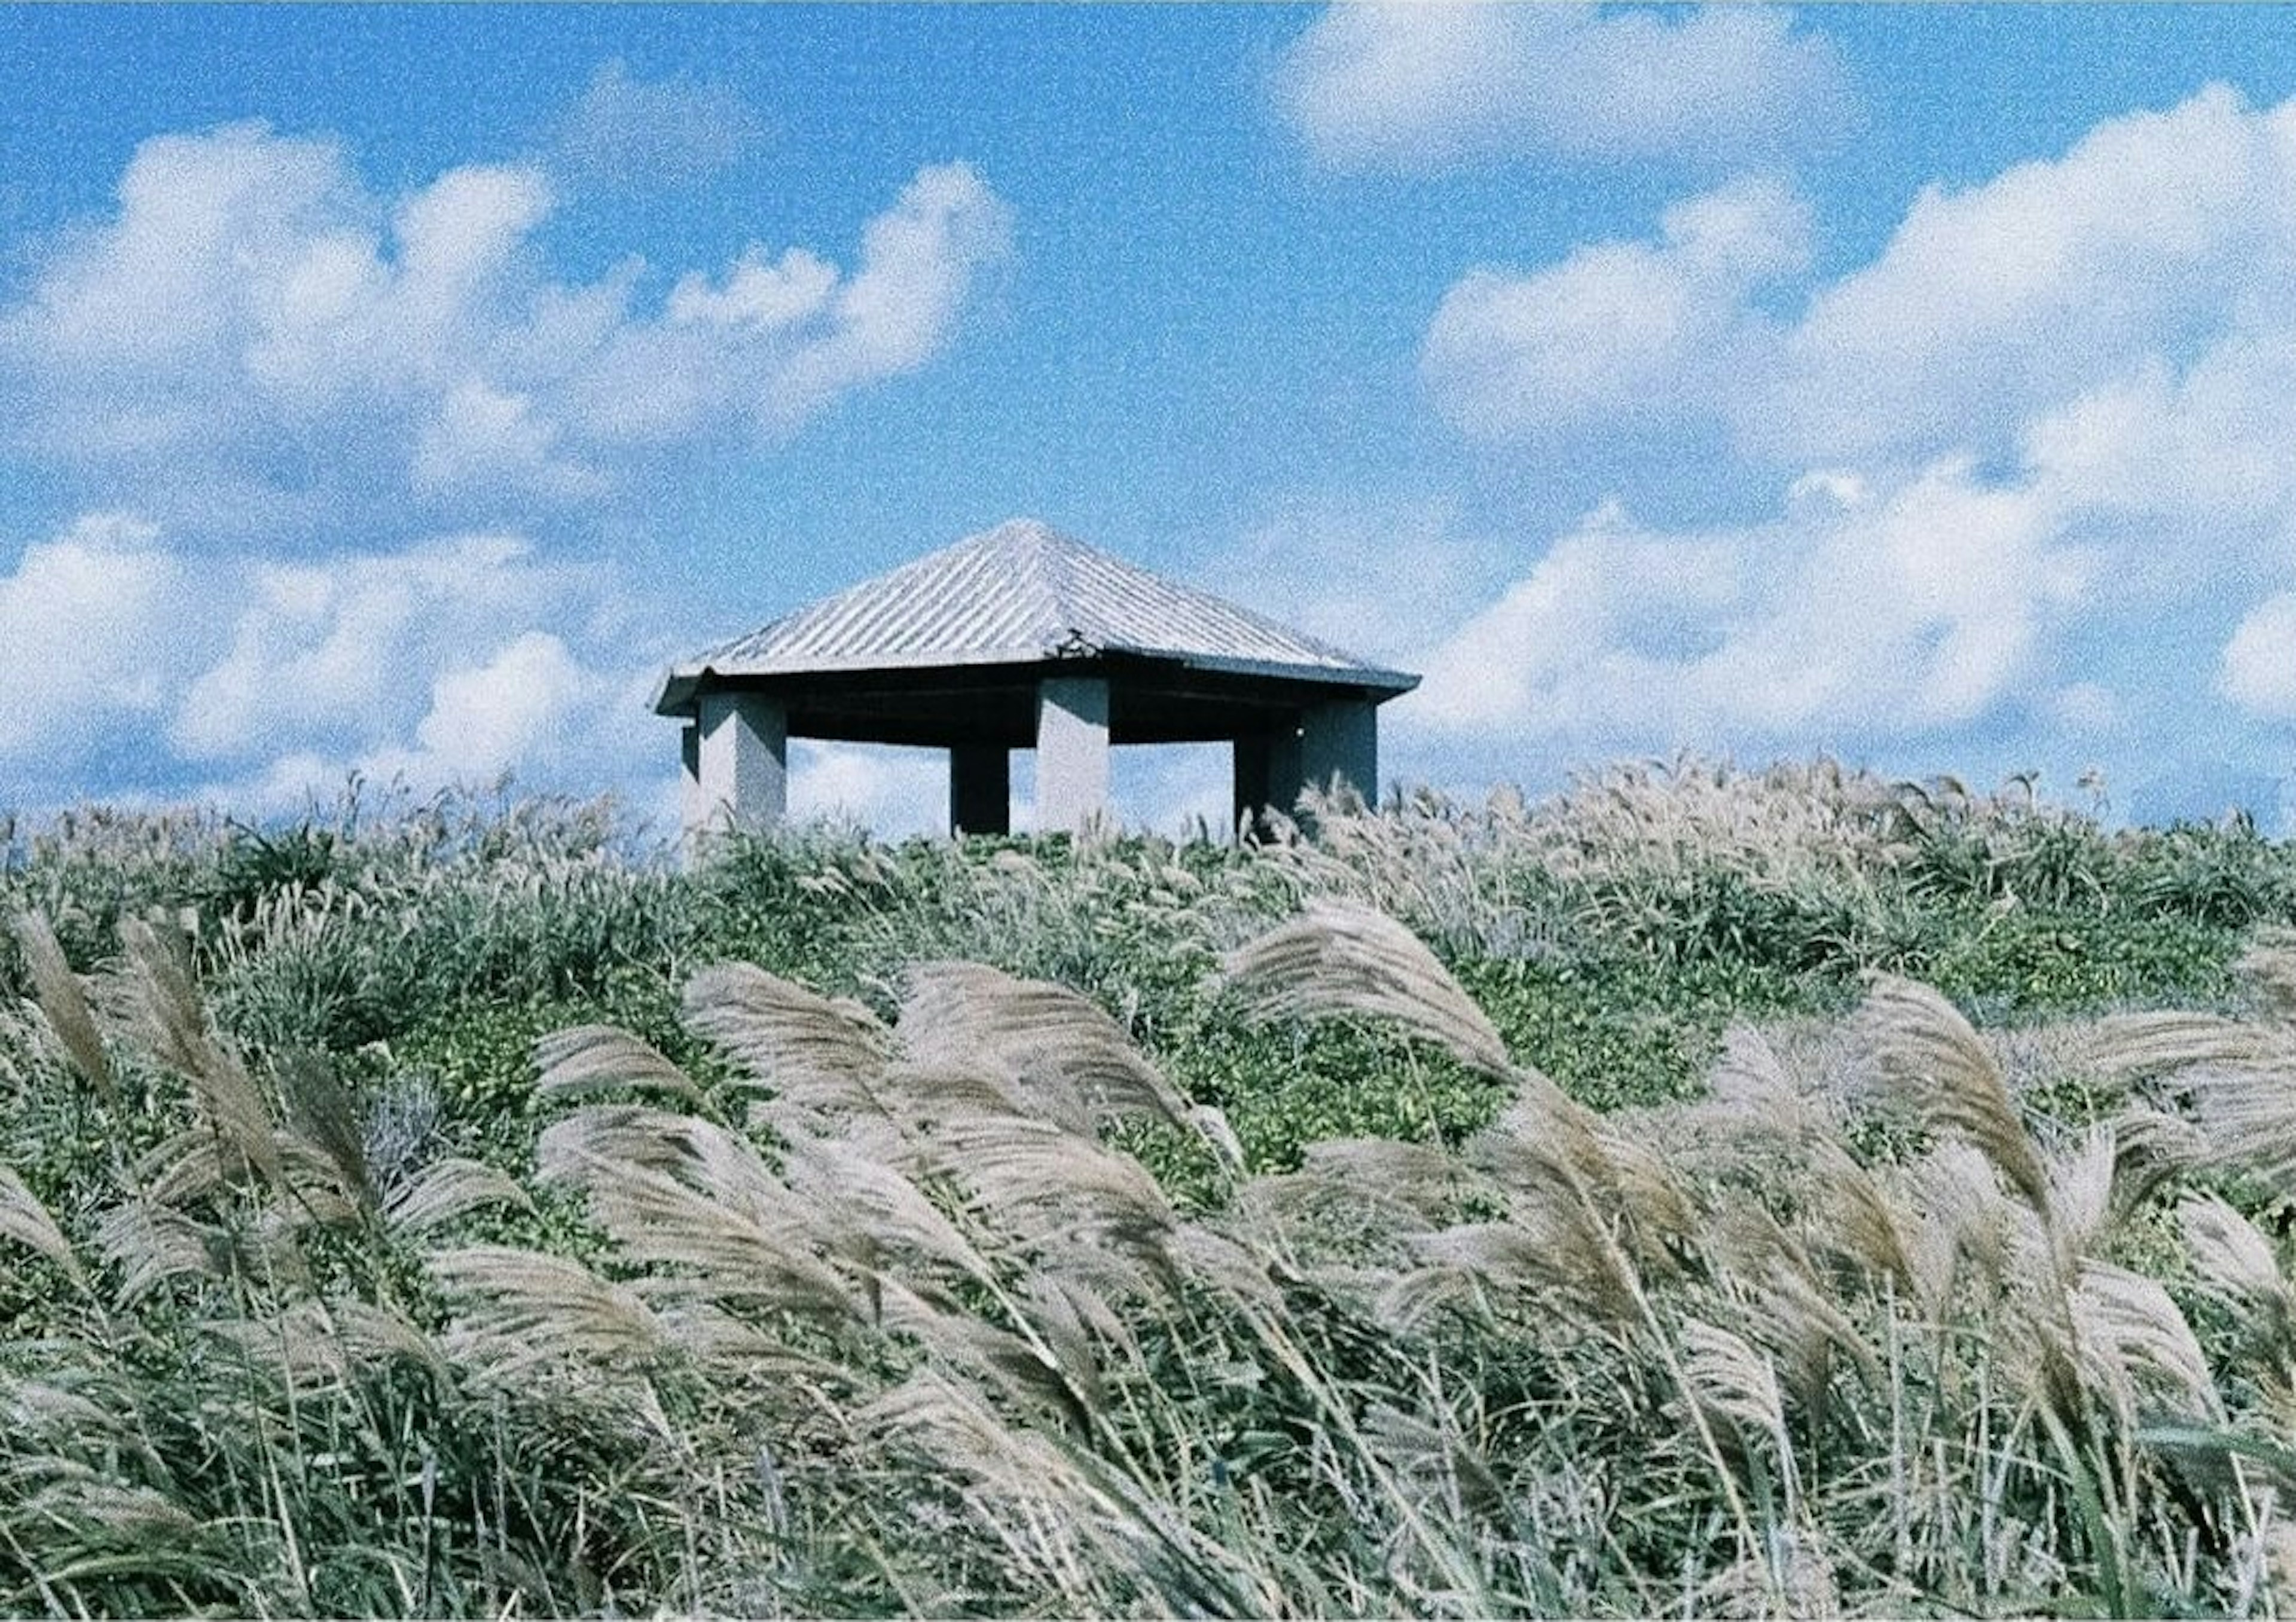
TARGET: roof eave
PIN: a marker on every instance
(681, 686)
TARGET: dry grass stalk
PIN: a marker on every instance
(1338, 958)
(1069, 1060)
(522, 1311)
(63, 1003)
(583, 1060)
(823, 1055)
(1923, 1045)
(26, 1221)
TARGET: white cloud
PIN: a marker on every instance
(1920, 608)
(2258, 671)
(2036, 452)
(2157, 239)
(896, 791)
(1408, 86)
(262, 683)
(1380, 579)
(94, 625)
(253, 316)
(632, 133)
(1621, 331)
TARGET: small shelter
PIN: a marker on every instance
(1023, 638)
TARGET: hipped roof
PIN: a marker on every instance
(1021, 593)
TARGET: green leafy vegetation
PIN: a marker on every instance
(1704, 1191)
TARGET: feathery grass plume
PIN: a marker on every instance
(618, 1134)
(2269, 967)
(586, 1058)
(1856, 1217)
(1456, 1475)
(2240, 1073)
(1218, 1261)
(150, 1245)
(1731, 1377)
(2134, 1341)
(1555, 1248)
(175, 1022)
(1547, 1152)
(710, 1212)
(1046, 1188)
(821, 1053)
(1053, 1375)
(1967, 1231)
(1073, 1062)
(1923, 1045)
(521, 1311)
(447, 1188)
(63, 1002)
(2195, 1046)
(321, 1345)
(2080, 1176)
(1787, 1310)
(853, 1189)
(323, 1113)
(2236, 1262)
(1417, 1186)
(1337, 958)
(26, 1221)
(1051, 1506)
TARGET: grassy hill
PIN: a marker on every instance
(1714, 1191)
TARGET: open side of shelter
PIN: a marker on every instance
(1023, 638)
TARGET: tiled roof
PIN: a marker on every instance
(1017, 594)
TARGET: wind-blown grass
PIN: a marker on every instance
(1190, 1231)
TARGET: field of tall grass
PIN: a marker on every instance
(1705, 1191)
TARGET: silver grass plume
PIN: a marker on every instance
(175, 1022)
(583, 1060)
(820, 1055)
(27, 1222)
(446, 1189)
(705, 1208)
(2237, 1262)
(2135, 1340)
(1069, 1059)
(521, 1311)
(63, 1003)
(1341, 958)
(1925, 1046)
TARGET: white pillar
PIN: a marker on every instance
(1341, 739)
(1071, 753)
(742, 762)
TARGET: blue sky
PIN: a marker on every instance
(396, 390)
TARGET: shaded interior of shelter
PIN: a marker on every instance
(996, 705)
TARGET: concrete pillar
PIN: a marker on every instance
(980, 789)
(1266, 772)
(1071, 753)
(689, 787)
(741, 761)
(1341, 739)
